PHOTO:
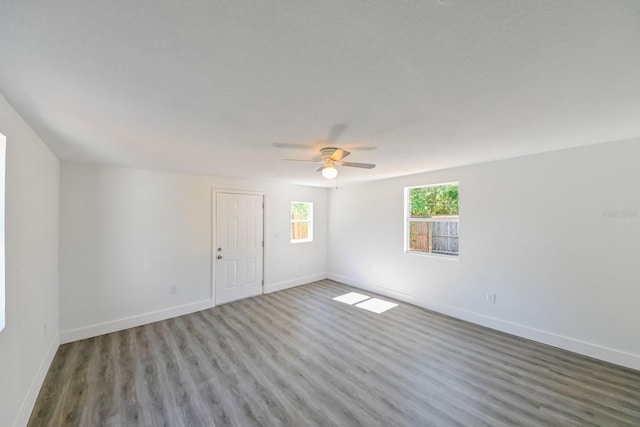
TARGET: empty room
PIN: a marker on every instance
(319, 213)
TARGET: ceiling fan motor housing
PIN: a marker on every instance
(327, 152)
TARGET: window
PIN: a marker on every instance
(301, 222)
(432, 219)
(3, 147)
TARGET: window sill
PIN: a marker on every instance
(433, 255)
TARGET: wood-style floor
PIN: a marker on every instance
(298, 358)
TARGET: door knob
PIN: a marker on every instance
(219, 256)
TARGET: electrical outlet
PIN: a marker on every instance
(491, 298)
(172, 290)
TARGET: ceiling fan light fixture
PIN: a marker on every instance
(329, 172)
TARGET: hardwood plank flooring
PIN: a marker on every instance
(298, 358)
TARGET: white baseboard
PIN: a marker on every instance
(595, 351)
(274, 287)
(34, 389)
(133, 321)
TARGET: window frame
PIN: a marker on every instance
(309, 221)
(3, 171)
(408, 219)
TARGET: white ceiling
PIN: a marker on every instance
(209, 86)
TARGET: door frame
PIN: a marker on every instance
(214, 233)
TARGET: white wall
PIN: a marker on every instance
(30, 338)
(128, 235)
(532, 231)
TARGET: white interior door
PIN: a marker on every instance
(239, 246)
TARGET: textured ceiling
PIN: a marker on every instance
(210, 86)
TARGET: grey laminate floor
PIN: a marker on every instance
(297, 358)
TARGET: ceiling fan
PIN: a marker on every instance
(330, 157)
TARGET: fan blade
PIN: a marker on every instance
(363, 148)
(358, 165)
(314, 160)
(320, 168)
(339, 154)
(288, 145)
(313, 146)
(336, 131)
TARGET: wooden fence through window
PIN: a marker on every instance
(434, 237)
(299, 230)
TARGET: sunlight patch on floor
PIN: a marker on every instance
(366, 302)
(376, 305)
(351, 298)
